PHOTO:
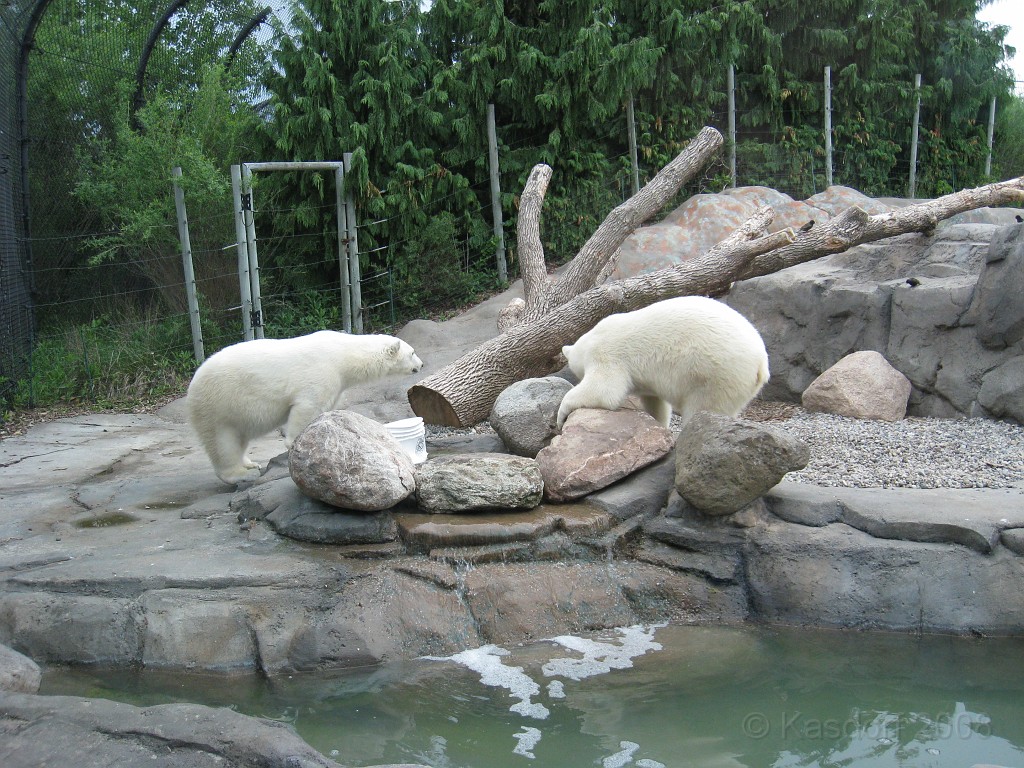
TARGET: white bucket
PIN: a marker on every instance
(411, 435)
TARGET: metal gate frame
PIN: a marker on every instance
(248, 259)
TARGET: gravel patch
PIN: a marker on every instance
(912, 453)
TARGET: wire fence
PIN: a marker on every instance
(72, 322)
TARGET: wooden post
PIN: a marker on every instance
(991, 135)
(343, 276)
(353, 254)
(631, 136)
(244, 288)
(496, 216)
(828, 126)
(253, 258)
(186, 262)
(731, 87)
(912, 187)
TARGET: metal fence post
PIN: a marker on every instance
(731, 87)
(631, 136)
(244, 288)
(253, 258)
(828, 126)
(353, 253)
(912, 187)
(343, 276)
(499, 227)
(186, 262)
(991, 135)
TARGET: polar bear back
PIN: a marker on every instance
(692, 352)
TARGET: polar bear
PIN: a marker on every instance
(685, 354)
(251, 388)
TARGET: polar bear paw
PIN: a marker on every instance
(241, 474)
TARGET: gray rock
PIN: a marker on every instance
(925, 320)
(530, 601)
(181, 632)
(428, 533)
(839, 576)
(997, 310)
(18, 673)
(350, 461)
(642, 493)
(911, 298)
(293, 514)
(805, 504)
(305, 519)
(446, 445)
(1002, 390)
(478, 482)
(524, 413)
(723, 464)
(597, 448)
(862, 386)
(90, 733)
(973, 519)
(1013, 540)
(836, 199)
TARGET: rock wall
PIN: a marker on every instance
(946, 310)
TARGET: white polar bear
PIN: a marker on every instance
(248, 389)
(686, 354)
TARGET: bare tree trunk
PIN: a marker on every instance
(588, 267)
(463, 392)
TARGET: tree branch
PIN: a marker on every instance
(463, 392)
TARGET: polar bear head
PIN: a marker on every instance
(401, 358)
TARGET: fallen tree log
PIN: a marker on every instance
(463, 392)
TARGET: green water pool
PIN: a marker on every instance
(642, 696)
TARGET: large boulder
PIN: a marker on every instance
(478, 482)
(723, 464)
(524, 414)
(597, 448)
(18, 673)
(293, 514)
(998, 310)
(350, 461)
(1002, 390)
(862, 386)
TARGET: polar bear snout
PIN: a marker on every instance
(415, 364)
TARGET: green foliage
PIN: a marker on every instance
(126, 178)
(113, 361)
(1009, 139)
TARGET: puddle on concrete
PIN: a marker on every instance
(106, 520)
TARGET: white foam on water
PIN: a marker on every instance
(486, 661)
(619, 759)
(528, 738)
(600, 658)
(597, 658)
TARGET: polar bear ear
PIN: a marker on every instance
(565, 350)
(395, 347)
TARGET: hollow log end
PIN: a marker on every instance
(433, 407)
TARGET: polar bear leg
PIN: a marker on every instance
(227, 454)
(605, 389)
(300, 416)
(658, 408)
